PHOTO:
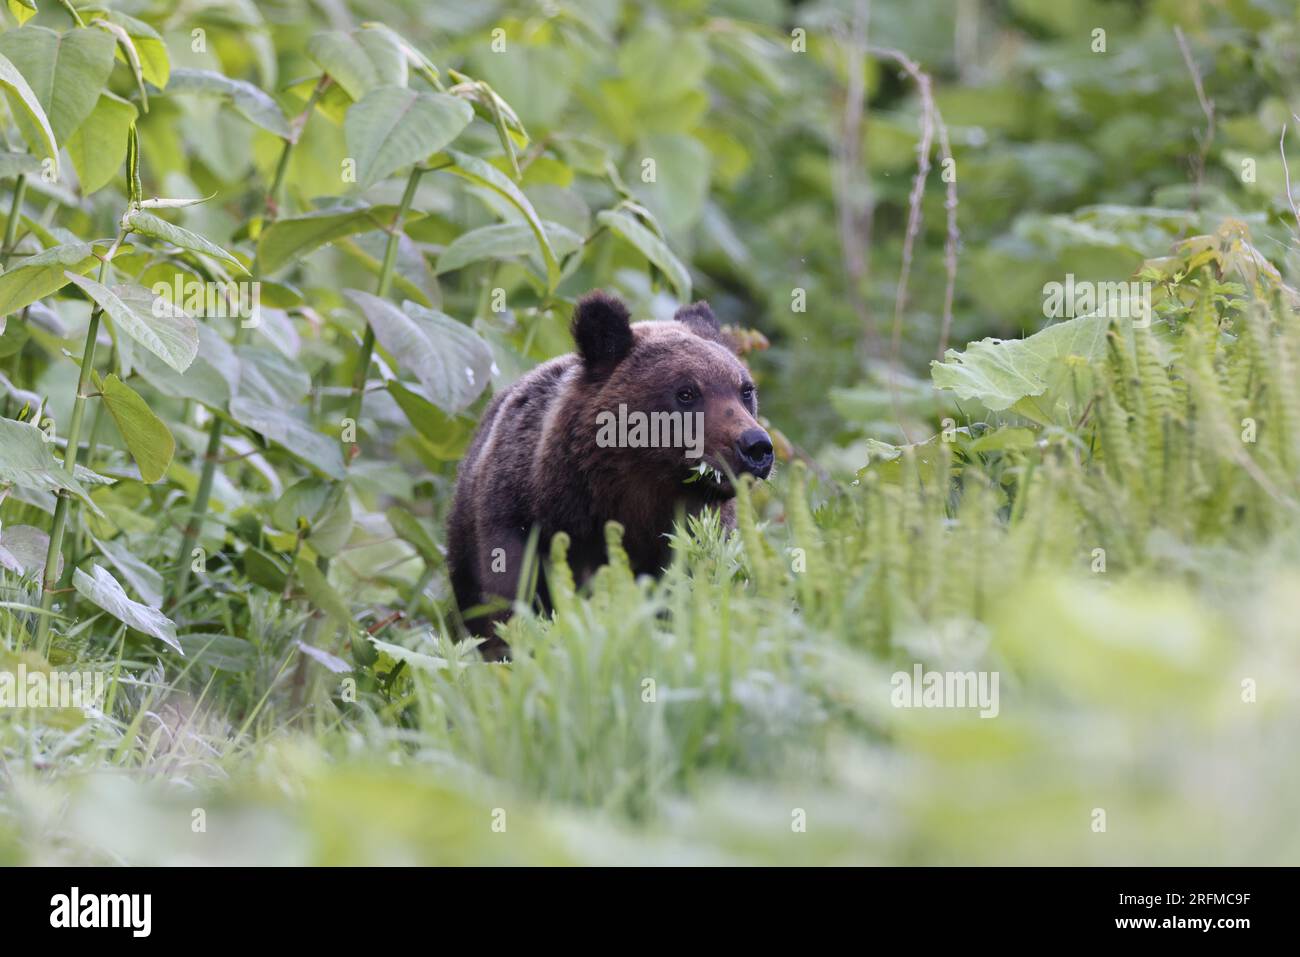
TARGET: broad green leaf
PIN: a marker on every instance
(360, 60)
(1000, 373)
(324, 597)
(411, 276)
(153, 321)
(651, 246)
(410, 530)
(152, 50)
(147, 437)
(416, 659)
(895, 463)
(22, 98)
(43, 274)
(452, 363)
(26, 460)
(323, 507)
(145, 580)
(265, 569)
(321, 599)
(268, 376)
(24, 548)
(297, 436)
(23, 10)
(222, 652)
(271, 388)
(211, 379)
(485, 174)
(13, 164)
(101, 588)
(414, 58)
(98, 148)
(681, 184)
(447, 435)
(504, 241)
(293, 238)
(66, 71)
(393, 127)
(150, 225)
(254, 103)
(126, 49)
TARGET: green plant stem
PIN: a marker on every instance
(72, 12)
(15, 213)
(417, 592)
(216, 432)
(385, 284)
(386, 270)
(49, 577)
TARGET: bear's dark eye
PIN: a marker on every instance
(686, 395)
(747, 392)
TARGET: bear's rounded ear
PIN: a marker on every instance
(602, 330)
(699, 318)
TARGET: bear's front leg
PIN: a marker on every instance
(504, 557)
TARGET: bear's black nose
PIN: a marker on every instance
(754, 447)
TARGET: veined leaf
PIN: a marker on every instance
(410, 530)
(447, 435)
(291, 239)
(150, 225)
(43, 274)
(99, 146)
(24, 548)
(127, 48)
(1004, 373)
(262, 406)
(360, 60)
(23, 10)
(104, 590)
(416, 659)
(254, 103)
(323, 506)
(324, 597)
(651, 246)
(211, 379)
(36, 128)
(502, 241)
(414, 58)
(393, 127)
(147, 437)
(484, 174)
(296, 436)
(12, 164)
(450, 360)
(154, 322)
(27, 461)
(66, 71)
(145, 580)
(155, 62)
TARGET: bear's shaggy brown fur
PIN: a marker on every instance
(535, 465)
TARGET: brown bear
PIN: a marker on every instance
(645, 422)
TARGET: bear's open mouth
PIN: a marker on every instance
(709, 477)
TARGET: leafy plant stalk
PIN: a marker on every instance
(11, 227)
(216, 432)
(385, 284)
(386, 271)
(49, 575)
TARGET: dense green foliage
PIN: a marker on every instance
(242, 517)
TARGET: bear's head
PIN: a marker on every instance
(669, 399)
